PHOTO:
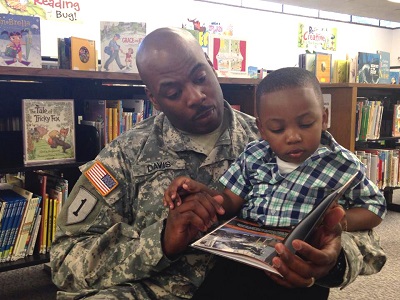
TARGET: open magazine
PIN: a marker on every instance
(253, 244)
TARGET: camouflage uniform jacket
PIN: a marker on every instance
(108, 241)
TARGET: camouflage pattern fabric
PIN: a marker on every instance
(364, 254)
(108, 247)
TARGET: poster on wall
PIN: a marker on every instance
(228, 55)
(56, 10)
(316, 38)
(202, 30)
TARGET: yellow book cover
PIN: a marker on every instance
(114, 123)
(49, 223)
(109, 124)
(83, 54)
(54, 223)
(323, 67)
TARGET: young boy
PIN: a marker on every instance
(278, 179)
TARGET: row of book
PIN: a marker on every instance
(28, 218)
(377, 117)
(113, 117)
(382, 166)
(368, 119)
(363, 67)
(21, 41)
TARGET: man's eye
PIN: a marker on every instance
(200, 79)
(173, 96)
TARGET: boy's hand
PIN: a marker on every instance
(179, 188)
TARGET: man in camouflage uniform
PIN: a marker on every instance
(115, 239)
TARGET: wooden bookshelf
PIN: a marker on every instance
(343, 117)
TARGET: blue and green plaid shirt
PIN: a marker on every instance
(283, 200)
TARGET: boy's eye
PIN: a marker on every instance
(279, 130)
(307, 125)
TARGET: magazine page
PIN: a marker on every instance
(244, 241)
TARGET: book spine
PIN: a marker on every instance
(31, 230)
(35, 233)
(22, 234)
(8, 229)
(14, 229)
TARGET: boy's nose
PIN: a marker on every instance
(293, 137)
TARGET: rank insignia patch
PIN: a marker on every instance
(101, 179)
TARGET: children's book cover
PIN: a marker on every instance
(83, 54)
(384, 67)
(323, 62)
(119, 42)
(48, 130)
(20, 41)
(394, 77)
(228, 55)
(368, 67)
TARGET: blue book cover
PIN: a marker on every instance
(13, 199)
(20, 41)
(384, 67)
(368, 67)
(14, 229)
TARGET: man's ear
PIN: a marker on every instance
(152, 98)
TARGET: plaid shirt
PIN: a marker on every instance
(283, 200)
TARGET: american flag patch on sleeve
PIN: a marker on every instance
(101, 179)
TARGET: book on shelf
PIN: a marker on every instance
(119, 42)
(340, 72)
(20, 41)
(396, 120)
(353, 67)
(384, 67)
(323, 63)
(16, 204)
(83, 54)
(64, 53)
(48, 130)
(368, 67)
(17, 250)
(95, 110)
(253, 244)
(307, 61)
(394, 77)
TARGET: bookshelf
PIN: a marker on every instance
(19, 83)
(343, 118)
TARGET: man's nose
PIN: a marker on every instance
(195, 95)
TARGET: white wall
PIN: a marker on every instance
(271, 37)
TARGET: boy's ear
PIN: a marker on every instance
(152, 99)
(325, 117)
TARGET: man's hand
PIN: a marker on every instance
(310, 261)
(196, 214)
(179, 188)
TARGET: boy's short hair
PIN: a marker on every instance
(290, 77)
